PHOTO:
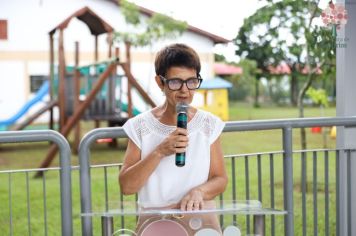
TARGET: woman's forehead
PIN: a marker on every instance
(183, 72)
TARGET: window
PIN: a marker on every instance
(36, 82)
(3, 29)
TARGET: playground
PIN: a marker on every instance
(94, 92)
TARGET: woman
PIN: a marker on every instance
(149, 166)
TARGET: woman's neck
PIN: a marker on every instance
(167, 114)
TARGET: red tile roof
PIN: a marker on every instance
(226, 69)
(284, 69)
(279, 69)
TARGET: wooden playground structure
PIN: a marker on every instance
(87, 92)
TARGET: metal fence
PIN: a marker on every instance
(23, 188)
(256, 176)
(285, 177)
(306, 183)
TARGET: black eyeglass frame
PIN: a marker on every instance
(165, 81)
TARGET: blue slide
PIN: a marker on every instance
(43, 91)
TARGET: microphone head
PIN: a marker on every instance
(182, 107)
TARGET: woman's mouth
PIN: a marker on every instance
(182, 98)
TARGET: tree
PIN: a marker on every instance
(259, 47)
(286, 32)
(242, 86)
(241, 83)
(219, 58)
(152, 29)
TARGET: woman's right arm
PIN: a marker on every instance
(136, 171)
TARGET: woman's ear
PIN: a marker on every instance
(159, 82)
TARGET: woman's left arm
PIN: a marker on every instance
(215, 185)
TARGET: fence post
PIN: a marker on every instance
(85, 186)
(288, 180)
(345, 94)
(84, 171)
(65, 164)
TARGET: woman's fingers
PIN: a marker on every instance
(175, 143)
(196, 205)
(181, 140)
(183, 205)
(180, 131)
(191, 205)
(192, 201)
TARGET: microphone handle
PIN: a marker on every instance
(182, 120)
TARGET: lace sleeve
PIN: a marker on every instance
(216, 125)
(133, 129)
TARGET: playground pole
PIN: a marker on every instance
(111, 100)
(128, 63)
(76, 96)
(61, 82)
(96, 59)
(51, 79)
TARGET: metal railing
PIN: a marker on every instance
(287, 126)
(65, 179)
(251, 176)
(316, 183)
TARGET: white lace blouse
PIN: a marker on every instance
(169, 183)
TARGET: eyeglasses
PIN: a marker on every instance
(177, 83)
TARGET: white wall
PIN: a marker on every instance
(11, 87)
(31, 20)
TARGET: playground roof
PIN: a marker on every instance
(215, 38)
(96, 24)
(226, 69)
(215, 83)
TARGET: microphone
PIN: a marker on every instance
(182, 119)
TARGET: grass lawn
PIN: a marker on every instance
(19, 156)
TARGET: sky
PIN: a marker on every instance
(220, 17)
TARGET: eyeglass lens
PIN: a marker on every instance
(176, 84)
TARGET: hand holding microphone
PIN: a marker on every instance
(182, 120)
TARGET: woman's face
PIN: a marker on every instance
(183, 94)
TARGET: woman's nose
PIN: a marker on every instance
(184, 87)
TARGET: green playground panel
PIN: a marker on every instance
(124, 107)
(87, 81)
(85, 70)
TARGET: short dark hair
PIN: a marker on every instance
(179, 55)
